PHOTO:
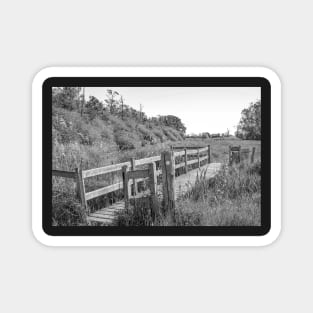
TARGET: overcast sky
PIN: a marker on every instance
(201, 109)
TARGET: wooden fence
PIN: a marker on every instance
(134, 173)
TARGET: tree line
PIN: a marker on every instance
(73, 99)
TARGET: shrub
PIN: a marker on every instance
(126, 140)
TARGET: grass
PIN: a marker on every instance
(231, 198)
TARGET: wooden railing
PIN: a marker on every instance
(133, 173)
(200, 153)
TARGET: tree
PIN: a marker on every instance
(249, 126)
(66, 97)
(110, 101)
(93, 107)
(173, 121)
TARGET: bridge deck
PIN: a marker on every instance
(107, 216)
(184, 182)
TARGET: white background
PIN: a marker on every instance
(36, 34)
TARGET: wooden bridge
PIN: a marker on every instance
(166, 177)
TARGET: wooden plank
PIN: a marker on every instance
(179, 165)
(133, 168)
(193, 151)
(179, 153)
(103, 215)
(192, 161)
(138, 174)
(107, 221)
(168, 178)
(141, 179)
(104, 190)
(104, 169)
(64, 174)
(114, 207)
(198, 158)
(203, 158)
(209, 154)
(148, 160)
(125, 186)
(110, 210)
(153, 188)
(205, 149)
(81, 193)
(186, 161)
(152, 178)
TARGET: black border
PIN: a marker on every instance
(156, 82)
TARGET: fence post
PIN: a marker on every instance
(133, 167)
(125, 186)
(186, 161)
(209, 154)
(252, 155)
(80, 189)
(198, 158)
(230, 156)
(239, 154)
(168, 179)
(153, 187)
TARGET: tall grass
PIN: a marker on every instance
(231, 198)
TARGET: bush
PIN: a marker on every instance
(126, 140)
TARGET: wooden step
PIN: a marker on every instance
(108, 215)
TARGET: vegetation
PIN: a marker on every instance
(231, 198)
(250, 123)
(83, 132)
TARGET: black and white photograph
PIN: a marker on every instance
(156, 156)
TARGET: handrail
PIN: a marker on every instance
(205, 149)
(104, 169)
(104, 190)
(65, 174)
(148, 160)
(179, 153)
(136, 176)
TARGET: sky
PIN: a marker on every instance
(201, 109)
